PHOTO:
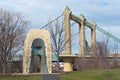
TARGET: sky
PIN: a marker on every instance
(105, 13)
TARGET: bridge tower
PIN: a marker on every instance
(68, 58)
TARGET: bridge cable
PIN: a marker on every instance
(51, 21)
(103, 31)
(108, 34)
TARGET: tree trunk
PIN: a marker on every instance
(4, 68)
(57, 64)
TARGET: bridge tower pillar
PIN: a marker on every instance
(82, 42)
(93, 39)
(67, 31)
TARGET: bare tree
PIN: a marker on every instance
(104, 48)
(57, 38)
(16, 66)
(115, 55)
(12, 34)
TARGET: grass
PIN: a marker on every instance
(92, 75)
(113, 74)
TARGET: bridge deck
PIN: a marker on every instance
(109, 56)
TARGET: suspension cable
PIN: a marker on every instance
(104, 32)
(51, 21)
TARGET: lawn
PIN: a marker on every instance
(92, 75)
(77, 75)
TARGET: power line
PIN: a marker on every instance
(51, 21)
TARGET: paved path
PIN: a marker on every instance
(50, 77)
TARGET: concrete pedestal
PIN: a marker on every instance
(68, 60)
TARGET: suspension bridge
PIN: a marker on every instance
(68, 57)
(86, 23)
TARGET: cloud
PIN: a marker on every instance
(103, 12)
